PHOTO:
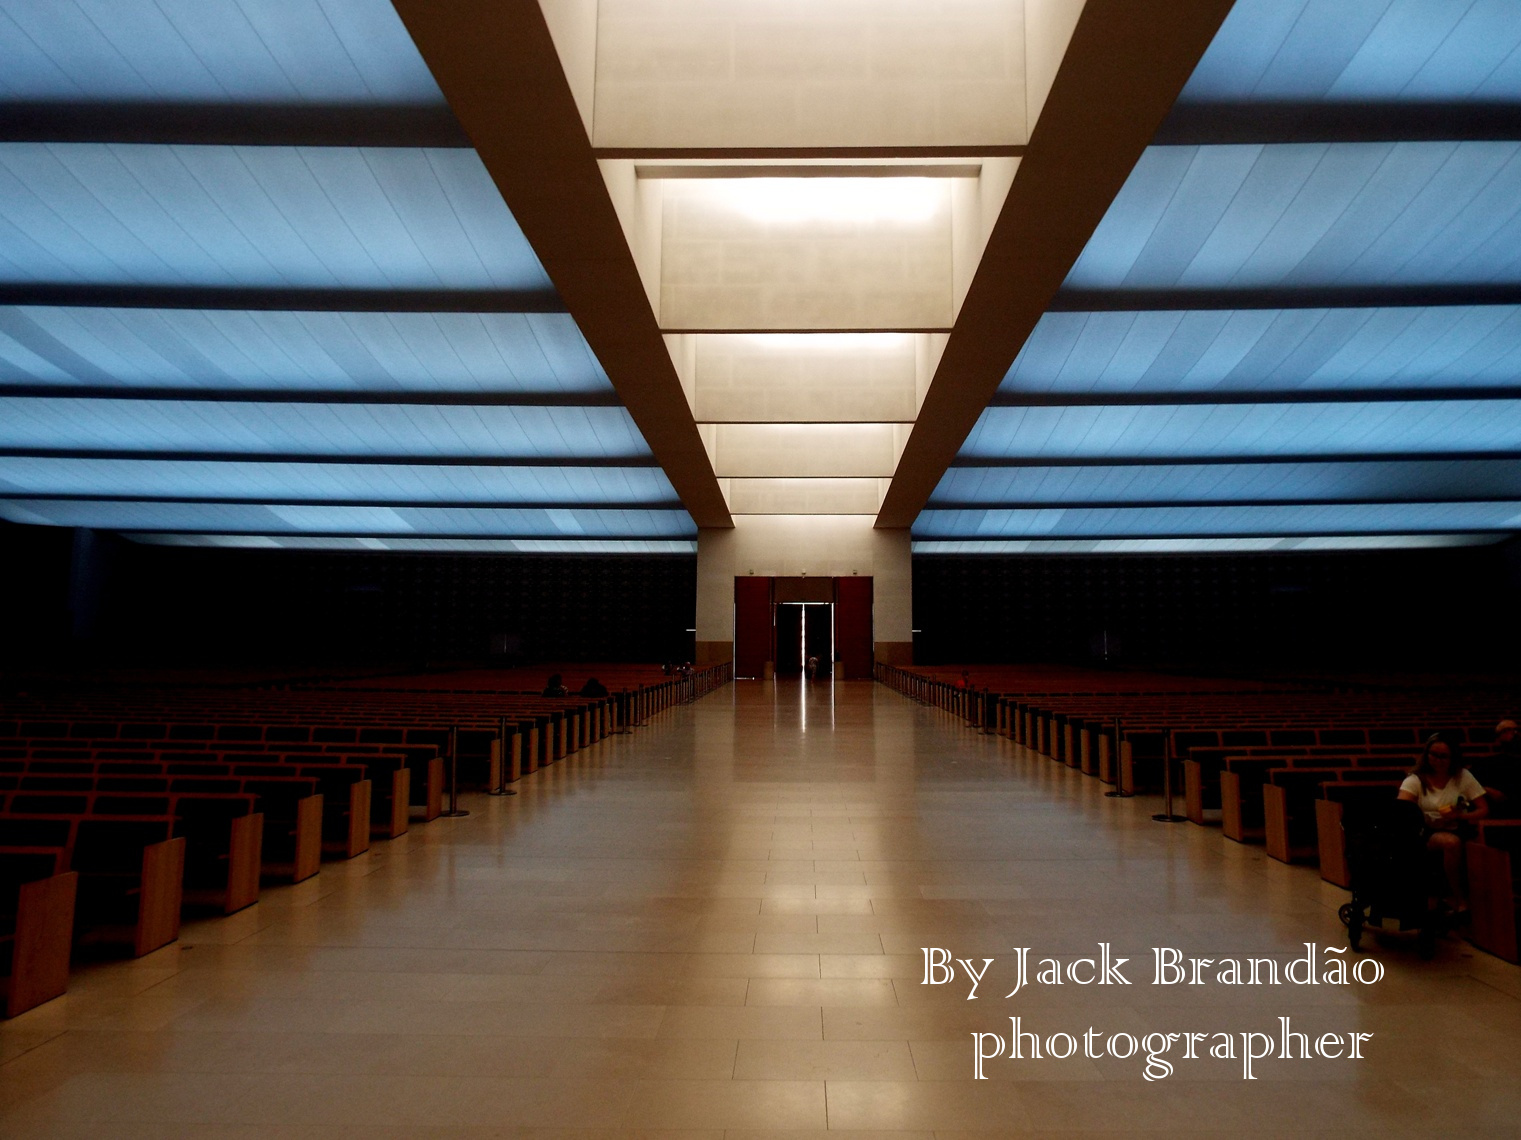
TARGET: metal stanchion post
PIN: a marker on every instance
(1114, 760)
(504, 760)
(455, 811)
(1166, 815)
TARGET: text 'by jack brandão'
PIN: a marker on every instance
(1156, 1051)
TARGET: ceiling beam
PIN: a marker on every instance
(1283, 297)
(413, 534)
(497, 65)
(410, 397)
(296, 501)
(424, 460)
(232, 124)
(1172, 398)
(283, 299)
(1079, 504)
(1123, 69)
(1217, 460)
(1268, 123)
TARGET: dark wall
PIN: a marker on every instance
(35, 613)
(168, 604)
(1440, 610)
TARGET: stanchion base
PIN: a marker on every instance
(502, 792)
(1119, 795)
(455, 814)
(1163, 817)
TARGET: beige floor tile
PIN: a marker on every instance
(826, 991)
(824, 1061)
(727, 1104)
(786, 1023)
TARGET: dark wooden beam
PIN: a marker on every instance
(496, 63)
(1123, 69)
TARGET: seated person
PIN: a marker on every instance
(593, 688)
(555, 686)
(1500, 771)
(1449, 797)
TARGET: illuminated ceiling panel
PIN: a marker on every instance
(1269, 545)
(404, 545)
(1170, 432)
(339, 482)
(278, 518)
(1363, 50)
(1329, 226)
(297, 351)
(1312, 214)
(420, 430)
(262, 218)
(1454, 479)
(257, 217)
(1131, 522)
(210, 51)
(1460, 346)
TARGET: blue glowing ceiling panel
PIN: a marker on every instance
(265, 216)
(1277, 349)
(369, 482)
(210, 51)
(1162, 483)
(275, 519)
(405, 545)
(301, 351)
(1238, 545)
(1246, 430)
(1363, 51)
(1127, 522)
(421, 430)
(1312, 215)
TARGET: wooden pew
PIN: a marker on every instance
(1290, 798)
(223, 835)
(131, 874)
(1494, 861)
(1336, 797)
(37, 893)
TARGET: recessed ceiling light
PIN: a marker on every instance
(793, 200)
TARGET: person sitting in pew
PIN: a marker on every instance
(1500, 771)
(593, 688)
(1450, 798)
(555, 686)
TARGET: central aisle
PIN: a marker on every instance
(713, 926)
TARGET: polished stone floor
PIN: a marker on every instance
(714, 927)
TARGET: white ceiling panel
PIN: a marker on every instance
(1316, 214)
(278, 518)
(1021, 546)
(269, 216)
(406, 545)
(282, 482)
(1245, 430)
(1161, 483)
(1363, 51)
(1463, 346)
(210, 51)
(1127, 522)
(420, 430)
(297, 351)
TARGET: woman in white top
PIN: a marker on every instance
(1449, 796)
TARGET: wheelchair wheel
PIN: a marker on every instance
(1352, 918)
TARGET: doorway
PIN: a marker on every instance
(804, 630)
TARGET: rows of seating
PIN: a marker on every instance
(1274, 763)
(122, 806)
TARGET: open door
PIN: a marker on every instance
(789, 639)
